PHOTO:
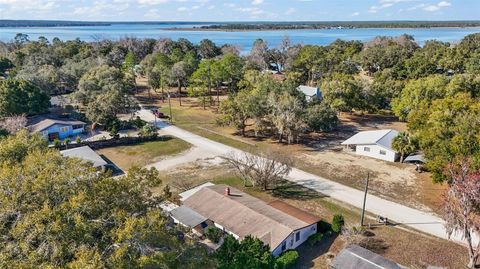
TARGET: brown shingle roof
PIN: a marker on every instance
(295, 212)
(244, 215)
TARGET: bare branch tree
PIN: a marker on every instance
(462, 206)
(264, 170)
(13, 124)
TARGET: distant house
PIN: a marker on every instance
(279, 225)
(356, 257)
(86, 154)
(311, 93)
(53, 129)
(375, 144)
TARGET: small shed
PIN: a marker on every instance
(356, 257)
(415, 158)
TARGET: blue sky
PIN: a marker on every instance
(240, 10)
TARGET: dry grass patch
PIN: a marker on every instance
(144, 153)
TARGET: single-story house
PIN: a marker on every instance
(356, 257)
(375, 144)
(53, 129)
(311, 93)
(87, 154)
(278, 225)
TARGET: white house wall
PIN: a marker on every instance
(291, 243)
(374, 152)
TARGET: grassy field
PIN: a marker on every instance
(144, 153)
(410, 249)
(321, 153)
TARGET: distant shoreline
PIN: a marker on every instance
(198, 29)
(252, 26)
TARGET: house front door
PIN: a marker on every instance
(53, 136)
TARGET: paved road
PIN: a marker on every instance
(416, 219)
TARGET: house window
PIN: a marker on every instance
(297, 237)
(64, 129)
(284, 245)
(383, 152)
(367, 149)
(80, 126)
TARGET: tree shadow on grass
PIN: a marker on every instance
(309, 253)
(290, 190)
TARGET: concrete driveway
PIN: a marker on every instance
(410, 217)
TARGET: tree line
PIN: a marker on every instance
(394, 74)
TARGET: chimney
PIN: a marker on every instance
(227, 191)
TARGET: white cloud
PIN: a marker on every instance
(354, 14)
(257, 2)
(382, 4)
(290, 11)
(440, 5)
(182, 9)
(444, 4)
(251, 10)
(152, 2)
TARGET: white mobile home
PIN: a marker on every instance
(375, 144)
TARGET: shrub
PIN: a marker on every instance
(78, 140)
(337, 223)
(66, 142)
(137, 122)
(287, 260)
(148, 131)
(213, 233)
(323, 227)
(57, 143)
(314, 238)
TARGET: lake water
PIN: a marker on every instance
(242, 39)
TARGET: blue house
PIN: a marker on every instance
(53, 129)
(311, 93)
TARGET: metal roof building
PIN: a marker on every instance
(375, 144)
(356, 257)
(85, 153)
(187, 216)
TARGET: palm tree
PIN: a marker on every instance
(404, 144)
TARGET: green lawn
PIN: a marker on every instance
(144, 153)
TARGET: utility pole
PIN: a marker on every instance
(365, 198)
(155, 117)
(170, 107)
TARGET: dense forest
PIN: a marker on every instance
(47, 23)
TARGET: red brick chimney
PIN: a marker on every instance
(227, 191)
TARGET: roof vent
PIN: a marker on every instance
(227, 191)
